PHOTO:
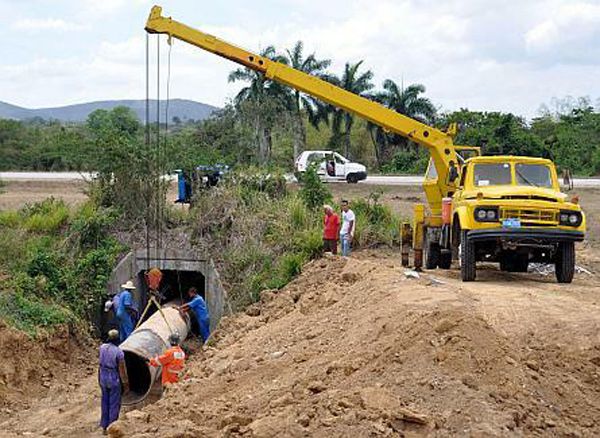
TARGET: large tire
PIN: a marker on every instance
(467, 258)
(565, 262)
(351, 178)
(432, 254)
(445, 259)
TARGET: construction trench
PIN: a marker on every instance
(181, 271)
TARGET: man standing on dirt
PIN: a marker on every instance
(111, 375)
(126, 311)
(198, 305)
(348, 226)
(171, 361)
(330, 233)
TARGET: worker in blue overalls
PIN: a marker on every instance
(126, 311)
(198, 305)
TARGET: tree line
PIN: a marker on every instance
(270, 124)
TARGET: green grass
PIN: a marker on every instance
(10, 219)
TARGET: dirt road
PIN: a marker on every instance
(357, 348)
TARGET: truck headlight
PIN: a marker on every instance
(571, 218)
(486, 214)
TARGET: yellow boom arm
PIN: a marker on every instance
(439, 143)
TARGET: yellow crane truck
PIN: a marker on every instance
(503, 209)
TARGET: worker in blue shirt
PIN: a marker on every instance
(198, 305)
(126, 311)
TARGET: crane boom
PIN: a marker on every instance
(439, 143)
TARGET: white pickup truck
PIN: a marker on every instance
(331, 166)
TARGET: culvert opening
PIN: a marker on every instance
(140, 378)
(174, 287)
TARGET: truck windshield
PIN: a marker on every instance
(533, 175)
(491, 174)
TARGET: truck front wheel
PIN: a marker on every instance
(565, 262)
(467, 258)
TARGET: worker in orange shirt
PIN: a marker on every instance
(171, 361)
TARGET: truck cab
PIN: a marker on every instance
(510, 210)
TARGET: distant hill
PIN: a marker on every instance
(184, 109)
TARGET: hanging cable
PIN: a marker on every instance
(147, 179)
(168, 93)
(157, 155)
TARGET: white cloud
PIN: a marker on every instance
(46, 24)
(568, 31)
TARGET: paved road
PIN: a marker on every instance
(44, 176)
(374, 180)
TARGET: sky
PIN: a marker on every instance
(484, 55)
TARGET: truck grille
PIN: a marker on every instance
(541, 216)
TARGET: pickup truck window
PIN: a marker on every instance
(492, 174)
(536, 175)
(315, 158)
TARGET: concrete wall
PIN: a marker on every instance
(136, 261)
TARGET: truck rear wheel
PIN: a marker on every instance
(467, 258)
(565, 262)
(432, 254)
(445, 259)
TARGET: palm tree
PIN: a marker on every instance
(311, 65)
(406, 101)
(354, 82)
(261, 99)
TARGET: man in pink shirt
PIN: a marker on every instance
(332, 228)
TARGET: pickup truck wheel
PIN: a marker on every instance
(565, 262)
(467, 258)
(432, 253)
(351, 178)
(445, 259)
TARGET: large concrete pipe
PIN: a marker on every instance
(149, 340)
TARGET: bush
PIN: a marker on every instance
(314, 193)
(375, 223)
(408, 161)
(28, 313)
(57, 262)
(90, 226)
(309, 243)
(255, 181)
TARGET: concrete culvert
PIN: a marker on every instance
(149, 340)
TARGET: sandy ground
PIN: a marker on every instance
(356, 348)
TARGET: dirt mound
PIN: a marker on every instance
(354, 348)
(31, 367)
(357, 348)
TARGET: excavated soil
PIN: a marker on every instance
(357, 348)
(32, 368)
